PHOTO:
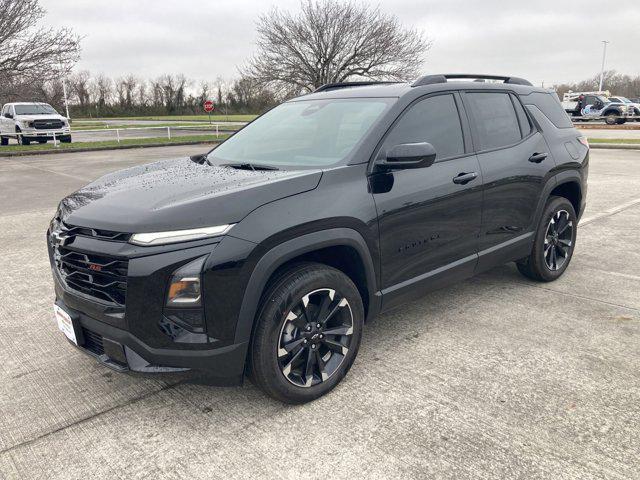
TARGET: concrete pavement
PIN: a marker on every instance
(497, 377)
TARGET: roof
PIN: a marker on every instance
(426, 83)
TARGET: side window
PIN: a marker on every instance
(434, 120)
(550, 105)
(523, 120)
(495, 119)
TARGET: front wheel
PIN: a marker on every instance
(554, 242)
(307, 333)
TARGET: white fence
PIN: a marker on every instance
(122, 133)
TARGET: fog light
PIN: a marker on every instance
(185, 289)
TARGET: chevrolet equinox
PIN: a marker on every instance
(266, 256)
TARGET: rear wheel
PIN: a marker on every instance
(554, 242)
(307, 333)
(611, 118)
(4, 141)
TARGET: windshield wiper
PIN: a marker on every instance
(249, 166)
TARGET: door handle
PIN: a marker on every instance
(464, 178)
(538, 157)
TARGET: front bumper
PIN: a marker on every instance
(132, 337)
(34, 134)
(121, 351)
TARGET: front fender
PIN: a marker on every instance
(283, 252)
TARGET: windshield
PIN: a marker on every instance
(306, 133)
(35, 109)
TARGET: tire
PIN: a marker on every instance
(284, 343)
(21, 140)
(4, 141)
(610, 118)
(65, 139)
(539, 265)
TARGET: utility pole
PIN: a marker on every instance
(64, 90)
(604, 56)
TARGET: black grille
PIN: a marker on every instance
(98, 276)
(47, 124)
(93, 341)
(94, 233)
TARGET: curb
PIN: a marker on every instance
(98, 149)
(614, 146)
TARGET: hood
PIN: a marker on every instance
(179, 194)
(48, 116)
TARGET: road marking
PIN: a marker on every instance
(609, 212)
(75, 177)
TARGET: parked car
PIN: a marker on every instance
(32, 122)
(267, 255)
(595, 106)
(634, 105)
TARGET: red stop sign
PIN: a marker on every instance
(208, 106)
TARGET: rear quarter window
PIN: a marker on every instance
(549, 104)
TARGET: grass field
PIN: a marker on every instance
(182, 118)
(112, 143)
(627, 141)
(79, 127)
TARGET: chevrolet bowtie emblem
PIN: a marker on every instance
(59, 238)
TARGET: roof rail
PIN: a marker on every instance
(336, 86)
(443, 78)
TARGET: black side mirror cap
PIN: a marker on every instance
(409, 155)
(8, 115)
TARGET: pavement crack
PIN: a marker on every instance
(582, 297)
(81, 421)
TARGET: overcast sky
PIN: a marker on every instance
(544, 40)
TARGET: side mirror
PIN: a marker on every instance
(8, 115)
(409, 155)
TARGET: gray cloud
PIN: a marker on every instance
(550, 41)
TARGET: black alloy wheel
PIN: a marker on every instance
(554, 242)
(315, 338)
(558, 240)
(307, 332)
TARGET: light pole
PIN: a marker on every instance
(604, 56)
(64, 89)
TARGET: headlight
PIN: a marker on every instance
(185, 288)
(161, 238)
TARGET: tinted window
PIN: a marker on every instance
(305, 133)
(495, 119)
(434, 120)
(549, 105)
(523, 120)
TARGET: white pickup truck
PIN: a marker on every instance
(32, 122)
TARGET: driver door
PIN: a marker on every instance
(429, 220)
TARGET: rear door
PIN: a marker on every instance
(428, 221)
(515, 163)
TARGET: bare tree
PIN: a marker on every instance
(28, 52)
(102, 86)
(79, 84)
(331, 41)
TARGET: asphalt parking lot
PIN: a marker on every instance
(495, 378)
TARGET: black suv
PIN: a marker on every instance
(267, 255)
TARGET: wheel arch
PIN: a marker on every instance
(572, 191)
(321, 246)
